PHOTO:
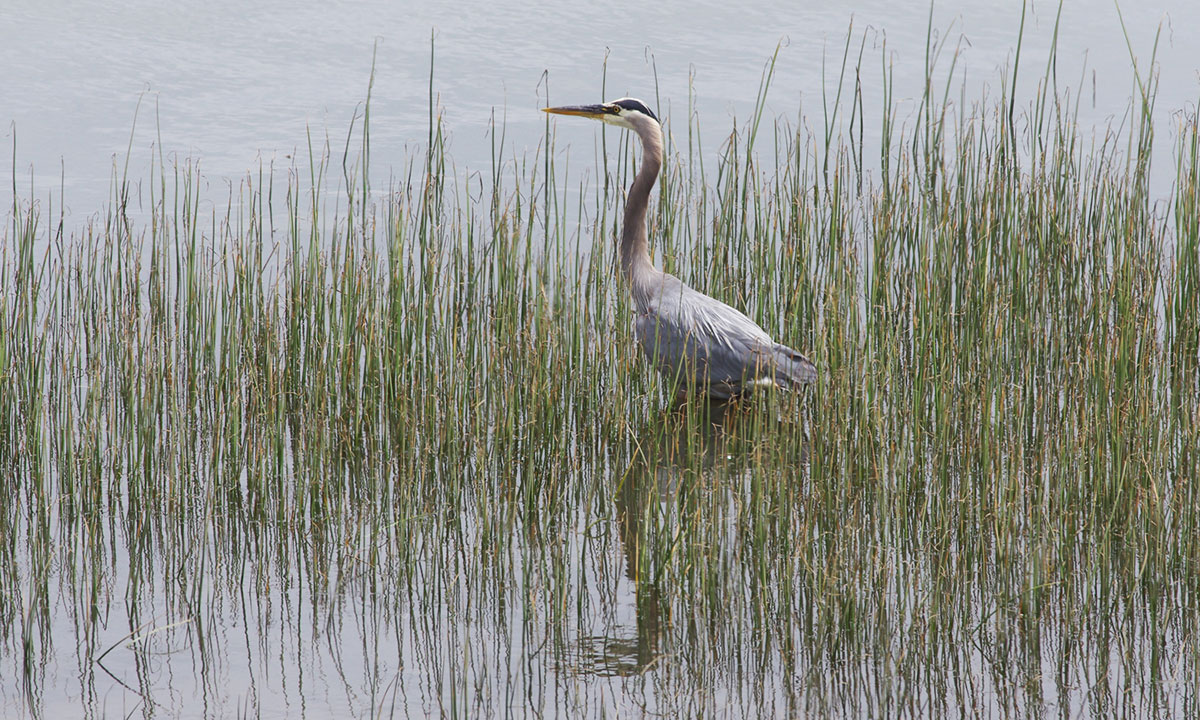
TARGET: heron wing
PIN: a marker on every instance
(699, 338)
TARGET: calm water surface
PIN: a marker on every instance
(232, 86)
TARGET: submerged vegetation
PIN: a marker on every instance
(390, 454)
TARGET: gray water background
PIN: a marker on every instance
(234, 85)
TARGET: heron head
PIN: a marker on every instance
(625, 112)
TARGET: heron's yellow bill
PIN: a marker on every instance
(588, 111)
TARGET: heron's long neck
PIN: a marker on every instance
(635, 255)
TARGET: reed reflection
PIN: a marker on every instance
(681, 446)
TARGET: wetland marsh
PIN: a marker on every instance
(318, 448)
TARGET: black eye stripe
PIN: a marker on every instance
(638, 105)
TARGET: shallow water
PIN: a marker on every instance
(570, 619)
(232, 86)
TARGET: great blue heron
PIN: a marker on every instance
(695, 340)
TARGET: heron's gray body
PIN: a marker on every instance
(697, 342)
(706, 346)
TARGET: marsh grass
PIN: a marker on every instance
(392, 453)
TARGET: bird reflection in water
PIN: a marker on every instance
(679, 446)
